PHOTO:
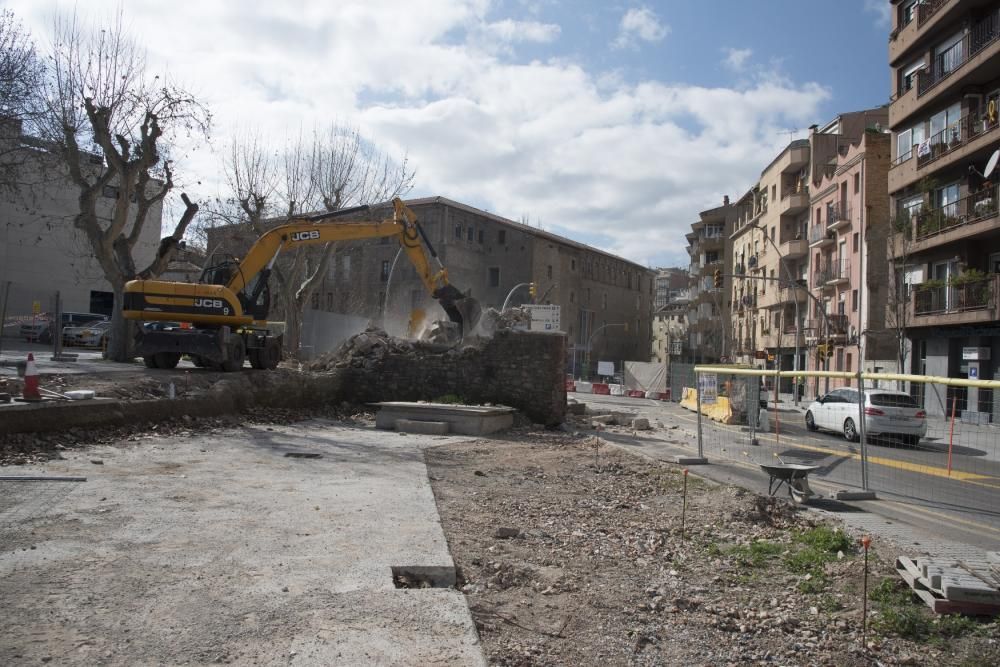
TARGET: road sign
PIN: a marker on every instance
(544, 317)
(973, 372)
(36, 307)
(708, 387)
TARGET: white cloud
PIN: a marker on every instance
(639, 23)
(736, 59)
(522, 31)
(881, 9)
(625, 166)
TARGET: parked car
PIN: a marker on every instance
(887, 413)
(39, 329)
(92, 334)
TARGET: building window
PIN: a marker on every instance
(110, 191)
(572, 296)
(502, 236)
(458, 231)
(604, 301)
(857, 242)
(471, 235)
(385, 270)
(315, 301)
(494, 276)
(854, 300)
(347, 267)
(548, 271)
(329, 300)
(857, 183)
(572, 265)
(482, 236)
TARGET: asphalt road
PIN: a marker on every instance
(913, 484)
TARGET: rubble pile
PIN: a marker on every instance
(362, 351)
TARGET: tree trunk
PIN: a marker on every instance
(293, 330)
(121, 344)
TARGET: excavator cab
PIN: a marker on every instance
(220, 270)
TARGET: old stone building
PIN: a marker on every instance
(605, 301)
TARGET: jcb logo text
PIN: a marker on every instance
(208, 303)
(305, 236)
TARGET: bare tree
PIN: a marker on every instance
(110, 123)
(328, 170)
(899, 242)
(21, 72)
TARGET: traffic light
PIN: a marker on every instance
(823, 351)
(532, 290)
(717, 279)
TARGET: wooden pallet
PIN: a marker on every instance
(935, 598)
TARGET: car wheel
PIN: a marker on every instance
(850, 431)
(810, 422)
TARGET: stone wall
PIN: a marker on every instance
(523, 370)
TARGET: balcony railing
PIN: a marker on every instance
(833, 324)
(839, 212)
(930, 222)
(833, 270)
(933, 299)
(800, 189)
(818, 233)
(981, 35)
(927, 9)
(951, 138)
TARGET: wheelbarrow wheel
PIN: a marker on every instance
(799, 490)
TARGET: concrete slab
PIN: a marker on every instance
(219, 548)
(461, 419)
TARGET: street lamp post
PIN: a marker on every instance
(586, 364)
(798, 324)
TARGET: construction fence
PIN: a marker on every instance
(25, 315)
(920, 438)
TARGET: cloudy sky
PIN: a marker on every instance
(610, 122)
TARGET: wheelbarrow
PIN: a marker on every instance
(794, 476)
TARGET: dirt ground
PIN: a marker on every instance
(572, 554)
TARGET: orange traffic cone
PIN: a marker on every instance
(31, 392)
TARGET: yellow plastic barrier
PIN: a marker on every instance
(720, 411)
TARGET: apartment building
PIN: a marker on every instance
(605, 301)
(848, 265)
(708, 311)
(770, 243)
(671, 284)
(670, 332)
(944, 57)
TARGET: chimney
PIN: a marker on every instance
(725, 200)
(813, 128)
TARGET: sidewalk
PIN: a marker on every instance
(222, 548)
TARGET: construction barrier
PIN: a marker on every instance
(930, 439)
(720, 410)
(601, 388)
(584, 388)
(570, 385)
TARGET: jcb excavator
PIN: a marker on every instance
(228, 307)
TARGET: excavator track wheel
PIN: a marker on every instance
(166, 360)
(236, 354)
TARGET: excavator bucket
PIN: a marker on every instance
(462, 310)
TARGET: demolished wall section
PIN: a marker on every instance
(521, 369)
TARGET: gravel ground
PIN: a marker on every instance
(570, 552)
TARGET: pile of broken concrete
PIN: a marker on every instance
(362, 350)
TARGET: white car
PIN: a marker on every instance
(93, 334)
(887, 413)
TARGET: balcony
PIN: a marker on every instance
(794, 200)
(967, 302)
(980, 36)
(832, 273)
(963, 218)
(793, 248)
(792, 294)
(838, 217)
(820, 237)
(708, 268)
(755, 263)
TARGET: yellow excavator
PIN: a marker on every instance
(227, 309)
